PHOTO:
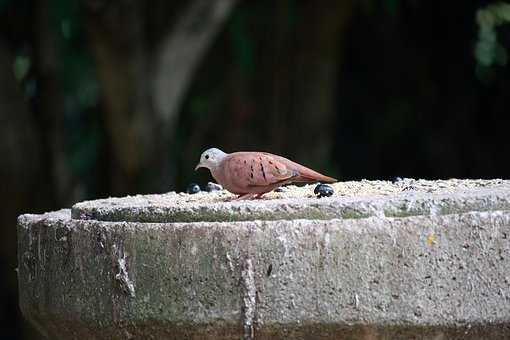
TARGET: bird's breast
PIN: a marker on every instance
(224, 178)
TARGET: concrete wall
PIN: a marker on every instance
(438, 272)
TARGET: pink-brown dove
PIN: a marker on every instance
(252, 174)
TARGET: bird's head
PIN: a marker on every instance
(210, 158)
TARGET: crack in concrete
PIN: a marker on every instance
(122, 276)
(249, 303)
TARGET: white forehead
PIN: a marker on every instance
(213, 151)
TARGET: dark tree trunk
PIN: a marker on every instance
(145, 65)
(117, 40)
(318, 57)
(49, 108)
(289, 105)
(21, 159)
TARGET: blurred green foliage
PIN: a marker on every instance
(489, 51)
(243, 44)
(78, 83)
(80, 88)
(242, 39)
(21, 67)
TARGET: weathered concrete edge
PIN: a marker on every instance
(61, 219)
(400, 205)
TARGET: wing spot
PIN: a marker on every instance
(245, 161)
(263, 172)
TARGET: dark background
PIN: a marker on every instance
(101, 98)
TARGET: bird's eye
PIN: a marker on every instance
(206, 156)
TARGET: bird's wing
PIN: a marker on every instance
(255, 169)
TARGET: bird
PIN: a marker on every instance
(251, 174)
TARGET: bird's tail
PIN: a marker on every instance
(313, 176)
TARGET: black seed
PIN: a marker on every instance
(280, 189)
(269, 270)
(210, 187)
(193, 188)
(323, 190)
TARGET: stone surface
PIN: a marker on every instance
(351, 200)
(428, 262)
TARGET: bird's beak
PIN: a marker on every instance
(199, 165)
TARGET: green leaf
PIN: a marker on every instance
(21, 66)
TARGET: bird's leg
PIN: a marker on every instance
(259, 196)
(244, 197)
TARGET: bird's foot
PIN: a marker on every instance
(244, 197)
(248, 197)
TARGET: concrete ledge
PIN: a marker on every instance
(427, 276)
(351, 200)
